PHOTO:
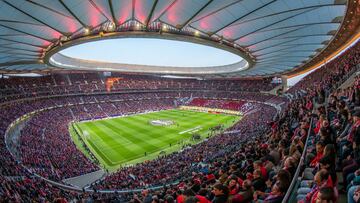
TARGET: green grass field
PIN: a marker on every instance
(124, 140)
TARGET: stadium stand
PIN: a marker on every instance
(256, 160)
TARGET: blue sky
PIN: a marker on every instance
(152, 52)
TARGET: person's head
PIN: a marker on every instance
(246, 184)
(278, 188)
(220, 189)
(323, 132)
(325, 123)
(283, 176)
(155, 199)
(169, 199)
(296, 140)
(257, 164)
(322, 116)
(344, 114)
(321, 176)
(203, 192)
(257, 173)
(329, 150)
(289, 162)
(303, 132)
(144, 193)
(325, 162)
(320, 146)
(325, 195)
(232, 182)
(356, 116)
(189, 193)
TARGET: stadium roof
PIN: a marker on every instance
(274, 36)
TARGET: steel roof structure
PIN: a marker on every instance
(274, 36)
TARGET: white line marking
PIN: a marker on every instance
(197, 128)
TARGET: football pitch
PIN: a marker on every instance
(121, 141)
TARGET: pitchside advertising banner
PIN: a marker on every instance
(210, 110)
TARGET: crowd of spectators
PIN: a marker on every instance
(45, 151)
(322, 80)
(255, 160)
(16, 88)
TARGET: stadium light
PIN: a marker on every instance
(111, 26)
(87, 31)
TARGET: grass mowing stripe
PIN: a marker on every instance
(127, 133)
(131, 136)
(105, 145)
(98, 153)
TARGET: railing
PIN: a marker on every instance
(348, 75)
(304, 153)
(301, 163)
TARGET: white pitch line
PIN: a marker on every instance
(189, 130)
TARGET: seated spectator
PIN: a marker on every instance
(258, 182)
(326, 195)
(276, 195)
(221, 193)
(307, 192)
(319, 154)
(245, 194)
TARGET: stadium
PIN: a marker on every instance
(260, 101)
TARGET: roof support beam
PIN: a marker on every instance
(20, 63)
(282, 44)
(133, 9)
(283, 56)
(218, 10)
(284, 33)
(195, 14)
(16, 21)
(271, 24)
(305, 24)
(287, 11)
(10, 40)
(171, 5)
(282, 60)
(50, 9)
(17, 58)
(148, 19)
(18, 54)
(273, 51)
(302, 36)
(243, 16)
(271, 46)
(281, 63)
(26, 33)
(98, 9)
(19, 49)
(72, 13)
(34, 18)
(112, 12)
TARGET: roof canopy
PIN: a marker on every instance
(276, 35)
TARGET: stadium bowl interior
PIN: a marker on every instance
(76, 130)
